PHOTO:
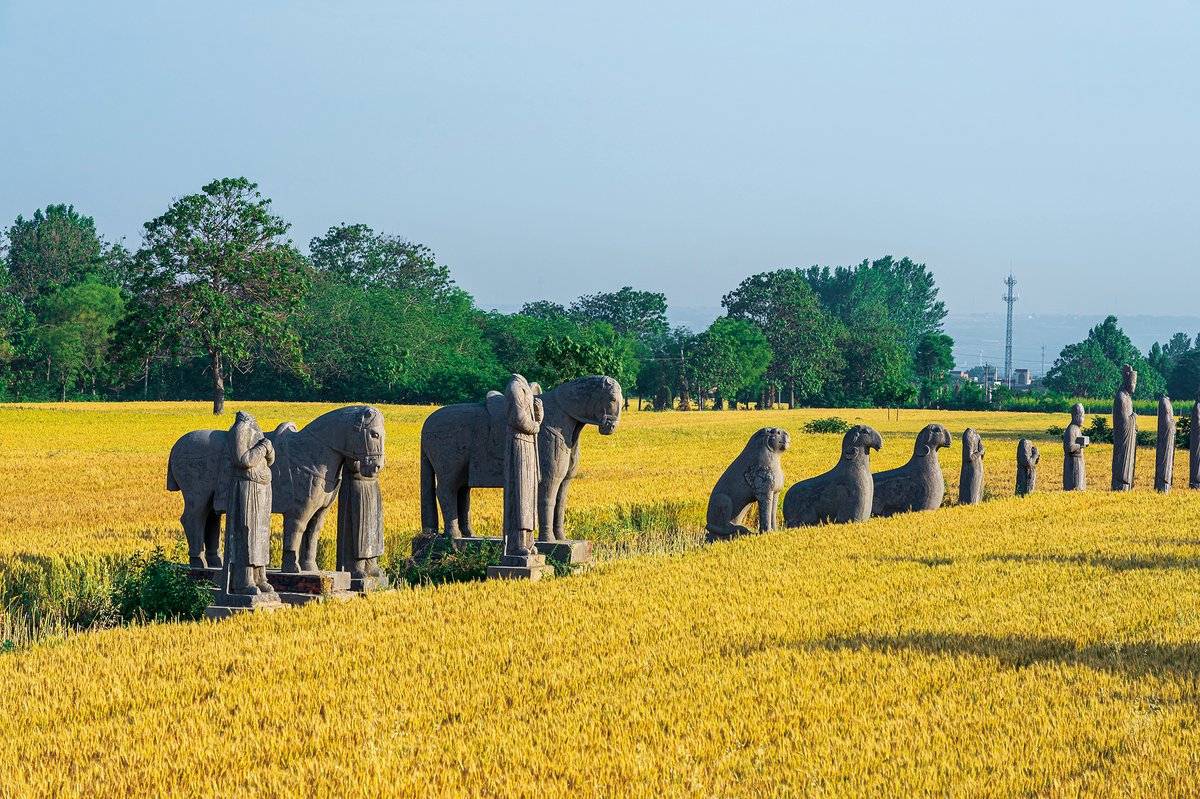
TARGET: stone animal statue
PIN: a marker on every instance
(918, 484)
(970, 479)
(844, 493)
(304, 480)
(754, 476)
(1027, 461)
(462, 447)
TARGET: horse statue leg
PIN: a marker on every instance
(195, 521)
(293, 532)
(212, 539)
(312, 535)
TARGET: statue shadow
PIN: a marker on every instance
(1116, 563)
(1131, 659)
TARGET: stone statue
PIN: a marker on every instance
(1027, 461)
(1124, 427)
(248, 519)
(1074, 442)
(1164, 460)
(1194, 446)
(844, 493)
(970, 479)
(754, 476)
(360, 527)
(918, 484)
(304, 479)
(462, 447)
(524, 415)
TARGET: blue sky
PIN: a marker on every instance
(544, 150)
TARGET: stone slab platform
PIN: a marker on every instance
(575, 552)
(225, 611)
(520, 572)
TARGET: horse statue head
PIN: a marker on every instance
(593, 400)
(356, 433)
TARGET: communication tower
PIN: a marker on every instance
(1009, 298)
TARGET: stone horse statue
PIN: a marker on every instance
(304, 480)
(462, 447)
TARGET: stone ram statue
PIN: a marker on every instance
(844, 493)
(918, 484)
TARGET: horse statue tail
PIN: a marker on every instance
(429, 512)
(171, 484)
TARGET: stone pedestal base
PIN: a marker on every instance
(228, 604)
(293, 588)
(570, 551)
(367, 585)
(529, 567)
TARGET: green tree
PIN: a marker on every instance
(802, 335)
(934, 357)
(638, 314)
(731, 356)
(217, 279)
(595, 350)
(1092, 367)
(58, 248)
(77, 333)
(1185, 376)
(544, 310)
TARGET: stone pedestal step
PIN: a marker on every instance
(535, 572)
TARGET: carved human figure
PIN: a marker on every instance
(754, 476)
(1027, 461)
(1194, 448)
(1124, 426)
(523, 411)
(248, 519)
(844, 493)
(970, 479)
(1074, 442)
(360, 524)
(1164, 456)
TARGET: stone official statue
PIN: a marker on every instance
(1027, 461)
(524, 413)
(1074, 442)
(1194, 448)
(248, 519)
(1164, 454)
(970, 479)
(1124, 426)
(360, 525)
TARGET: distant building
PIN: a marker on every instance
(1021, 378)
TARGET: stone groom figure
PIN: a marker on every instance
(248, 520)
(524, 415)
(1124, 432)
(1074, 442)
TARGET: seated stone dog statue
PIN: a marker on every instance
(754, 476)
(844, 493)
(918, 484)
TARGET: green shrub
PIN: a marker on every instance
(831, 424)
(442, 563)
(154, 588)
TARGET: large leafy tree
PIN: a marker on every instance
(639, 314)
(77, 332)
(802, 335)
(216, 278)
(58, 248)
(731, 357)
(1185, 376)
(1092, 367)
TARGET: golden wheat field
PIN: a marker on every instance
(1046, 646)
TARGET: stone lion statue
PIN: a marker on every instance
(754, 476)
(844, 493)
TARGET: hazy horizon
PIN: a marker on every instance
(547, 151)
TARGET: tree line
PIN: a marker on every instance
(217, 301)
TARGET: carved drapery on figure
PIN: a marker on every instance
(1124, 427)
(970, 479)
(360, 525)
(1027, 461)
(1164, 460)
(523, 411)
(248, 519)
(1074, 442)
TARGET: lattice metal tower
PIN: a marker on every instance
(1009, 298)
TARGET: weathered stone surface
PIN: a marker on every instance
(1164, 460)
(523, 411)
(1124, 425)
(754, 476)
(462, 447)
(360, 526)
(970, 478)
(1074, 443)
(323, 582)
(304, 479)
(243, 580)
(842, 494)
(520, 567)
(918, 484)
(1194, 448)
(576, 552)
(1027, 461)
